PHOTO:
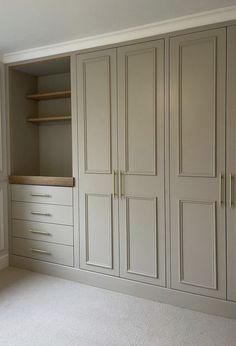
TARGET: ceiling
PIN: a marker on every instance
(28, 24)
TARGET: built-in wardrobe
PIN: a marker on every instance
(145, 178)
(3, 175)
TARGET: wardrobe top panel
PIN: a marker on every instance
(44, 68)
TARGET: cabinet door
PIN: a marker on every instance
(231, 163)
(197, 162)
(141, 161)
(3, 174)
(97, 133)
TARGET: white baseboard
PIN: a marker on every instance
(4, 261)
(163, 295)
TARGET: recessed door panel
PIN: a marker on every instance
(197, 92)
(197, 241)
(98, 228)
(140, 99)
(142, 236)
(197, 162)
(97, 115)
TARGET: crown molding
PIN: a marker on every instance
(138, 32)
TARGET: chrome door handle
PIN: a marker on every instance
(121, 187)
(114, 193)
(220, 189)
(39, 232)
(40, 195)
(41, 251)
(39, 213)
(231, 193)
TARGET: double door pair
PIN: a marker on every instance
(121, 161)
(125, 97)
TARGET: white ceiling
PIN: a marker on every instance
(29, 23)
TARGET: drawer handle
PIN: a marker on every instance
(40, 195)
(39, 213)
(41, 251)
(39, 232)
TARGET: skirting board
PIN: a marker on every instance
(142, 290)
(4, 261)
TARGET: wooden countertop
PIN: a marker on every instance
(41, 180)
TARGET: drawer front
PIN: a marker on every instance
(48, 252)
(48, 232)
(42, 213)
(42, 194)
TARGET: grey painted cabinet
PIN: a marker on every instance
(197, 162)
(97, 133)
(121, 130)
(141, 161)
(136, 182)
(231, 163)
(3, 168)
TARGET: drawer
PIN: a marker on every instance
(42, 194)
(48, 232)
(48, 252)
(42, 213)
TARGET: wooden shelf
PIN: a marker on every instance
(49, 118)
(41, 180)
(50, 95)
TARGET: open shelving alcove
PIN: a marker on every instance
(40, 122)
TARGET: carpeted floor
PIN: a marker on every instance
(37, 309)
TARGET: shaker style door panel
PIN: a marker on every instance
(141, 161)
(3, 173)
(97, 133)
(231, 164)
(197, 162)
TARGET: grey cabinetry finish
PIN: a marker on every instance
(3, 173)
(197, 162)
(141, 161)
(231, 163)
(97, 132)
(139, 183)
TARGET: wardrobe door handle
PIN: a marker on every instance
(121, 187)
(114, 184)
(231, 193)
(39, 213)
(41, 251)
(220, 189)
(39, 232)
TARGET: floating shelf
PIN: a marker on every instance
(50, 95)
(42, 180)
(49, 118)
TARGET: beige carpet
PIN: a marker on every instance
(37, 309)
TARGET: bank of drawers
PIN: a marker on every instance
(42, 223)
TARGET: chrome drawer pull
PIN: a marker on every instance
(39, 213)
(39, 232)
(41, 251)
(40, 195)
